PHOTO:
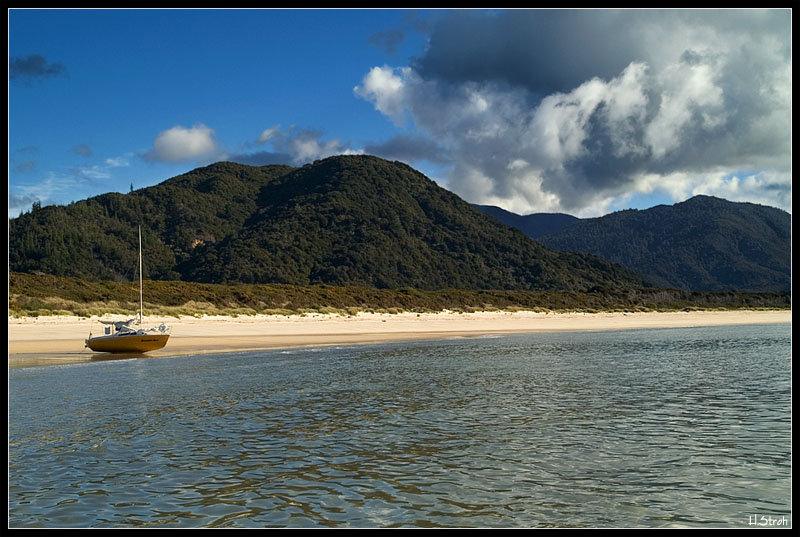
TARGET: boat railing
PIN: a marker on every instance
(130, 327)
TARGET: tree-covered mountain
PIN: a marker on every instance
(702, 244)
(348, 220)
(96, 239)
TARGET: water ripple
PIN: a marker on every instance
(650, 428)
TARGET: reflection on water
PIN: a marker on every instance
(645, 428)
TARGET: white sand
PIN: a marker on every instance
(60, 339)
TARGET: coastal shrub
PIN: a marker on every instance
(43, 293)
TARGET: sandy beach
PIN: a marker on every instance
(60, 339)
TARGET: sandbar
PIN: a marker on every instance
(60, 339)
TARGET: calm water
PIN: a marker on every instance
(644, 428)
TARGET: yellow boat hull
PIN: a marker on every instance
(128, 343)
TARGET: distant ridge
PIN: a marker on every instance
(347, 220)
(702, 244)
(533, 225)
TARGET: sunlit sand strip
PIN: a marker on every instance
(53, 340)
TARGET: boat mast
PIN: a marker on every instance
(141, 303)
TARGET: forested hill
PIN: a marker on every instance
(96, 239)
(702, 244)
(348, 220)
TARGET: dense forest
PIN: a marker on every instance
(96, 239)
(702, 244)
(348, 220)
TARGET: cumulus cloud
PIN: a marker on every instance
(389, 90)
(184, 143)
(569, 110)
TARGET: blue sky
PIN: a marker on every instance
(574, 111)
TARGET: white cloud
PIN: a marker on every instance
(686, 90)
(118, 162)
(269, 134)
(626, 109)
(385, 87)
(309, 147)
(181, 143)
(560, 123)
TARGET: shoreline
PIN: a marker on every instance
(60, 339)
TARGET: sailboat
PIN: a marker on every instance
(129, 336)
